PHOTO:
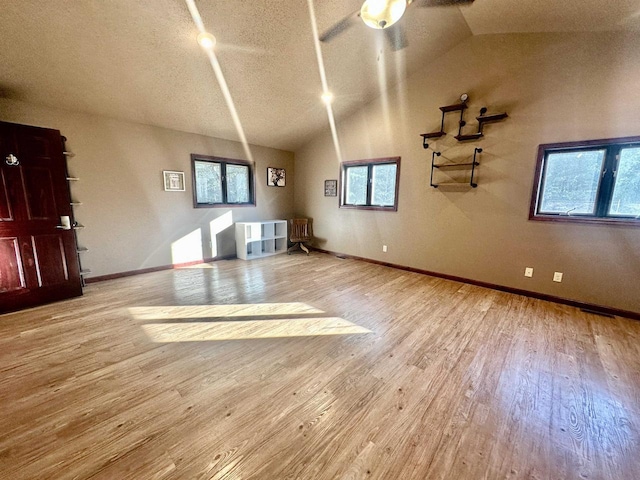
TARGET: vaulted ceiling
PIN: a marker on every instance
(139, 61)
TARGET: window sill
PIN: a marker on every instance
(604, 221)
(370, 207)
(223, 205)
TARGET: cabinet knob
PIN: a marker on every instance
(12, 160)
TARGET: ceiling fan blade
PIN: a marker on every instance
(396, 37)
(339, 27)
(443, 3)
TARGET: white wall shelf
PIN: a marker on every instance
(74, 224)
(260, 239)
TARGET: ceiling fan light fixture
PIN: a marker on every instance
(381, 14)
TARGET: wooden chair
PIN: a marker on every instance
(299, 234)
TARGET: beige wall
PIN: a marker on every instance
(131, 222)
(555, 88)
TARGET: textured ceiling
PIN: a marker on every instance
(139, 60)
(525, 16)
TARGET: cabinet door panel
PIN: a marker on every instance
(11, 272)
(48, 251)
(6, 212)
(38, 192)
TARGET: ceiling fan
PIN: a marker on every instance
(382, 14)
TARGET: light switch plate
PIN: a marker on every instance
(557, 277)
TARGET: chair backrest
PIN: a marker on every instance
(300, 230)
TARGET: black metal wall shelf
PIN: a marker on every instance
(454, 108)
(455, 166)
(432, 135)
(472, 136)
(490, 118)
(458, 107)
(482, 119)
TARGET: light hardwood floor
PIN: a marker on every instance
(315, 368)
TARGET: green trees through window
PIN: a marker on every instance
(221, 181)
(208, 182)
(591, 181)
(238, 181)
(370, 184)
(383, 184)
(571, 182)
(356, 185)
(626, 191)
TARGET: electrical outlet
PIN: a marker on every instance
(557, 277)
(384, 248)
(528, 272)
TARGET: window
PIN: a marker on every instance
(370, 184)
(593, 181)
(222, 181)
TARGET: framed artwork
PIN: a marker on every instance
(276, 177)
(331, 188)
(173, 181)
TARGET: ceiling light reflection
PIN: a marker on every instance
(213, 60)
(206, 40)
(323, 79)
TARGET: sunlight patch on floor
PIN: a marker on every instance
(250, 329)
(221, 311)
(197, 266)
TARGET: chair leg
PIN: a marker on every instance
(302, 246)
(292, 248)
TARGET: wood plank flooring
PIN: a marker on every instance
(296, 367)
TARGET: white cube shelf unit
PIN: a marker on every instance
(260, 239)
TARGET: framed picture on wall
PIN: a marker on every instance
(173, 181)
(276, 177)
(331, 188)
